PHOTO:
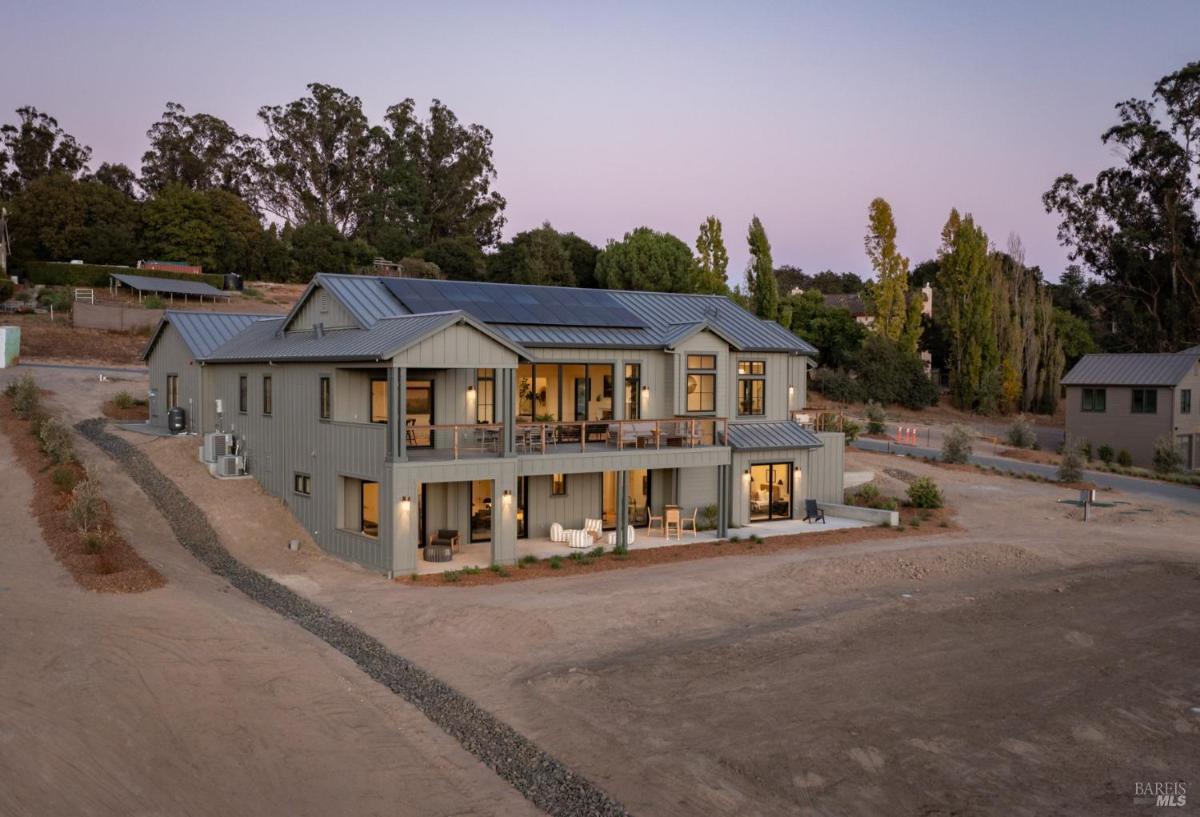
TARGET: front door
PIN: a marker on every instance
(481, 510)
(771, 491)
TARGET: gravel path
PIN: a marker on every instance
(545, 781)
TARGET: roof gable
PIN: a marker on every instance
(1153, 369)
(202, 332)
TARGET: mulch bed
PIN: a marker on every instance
(117, 567)
(132, 414)
(928, 522)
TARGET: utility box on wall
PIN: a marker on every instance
(10, 345)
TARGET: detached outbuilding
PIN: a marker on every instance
(1128, 401)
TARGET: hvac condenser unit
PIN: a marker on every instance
(217, 445)
(230, 465)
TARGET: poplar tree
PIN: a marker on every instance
(965, 284)
(760, 273)
(897, 312)
(712, 258)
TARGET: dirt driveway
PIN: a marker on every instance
(1030, 664)
(193, 700)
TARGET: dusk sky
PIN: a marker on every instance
(610, 116)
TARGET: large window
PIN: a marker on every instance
(379, 397)
(771, 491)
(1145, 401)
(701, 383)
(752, 387)
(1093, 400)
(549, 392)
(1185, 401)
(326, 398)
(267, 397)
(243, 393)
(485, 395)
(633, 391)
(172, 391)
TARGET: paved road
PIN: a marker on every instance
(1131, 485)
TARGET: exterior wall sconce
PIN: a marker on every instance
(507, 496)
(471, 392)
(645, 389)
(791, 390)
(405, 503)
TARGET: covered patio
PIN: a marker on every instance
(478, 554)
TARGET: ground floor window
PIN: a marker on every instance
(771, 491)
(558, 485)
(302, 484)
(370, 508)
(172, 391)
(358, 507)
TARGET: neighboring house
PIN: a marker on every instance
(382, 409)
(180, 345)
(1128, 401)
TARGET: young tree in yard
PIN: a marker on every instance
(36, 147)
(1136, 226)
(957, 444)
(1070, 466)
(647, 260)
(760, 273)
(965, 286)
(712, 257)
(320, 160)
(897, 314)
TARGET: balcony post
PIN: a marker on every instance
(508, 400)
(390, 444)
(400, 399)
(723, 490)
(622, 509)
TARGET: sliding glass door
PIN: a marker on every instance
(771, 491)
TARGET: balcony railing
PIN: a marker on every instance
(820, 420)
(470, 440)
(598, 435)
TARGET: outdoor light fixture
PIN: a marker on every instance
(791, 390)
(405, 503)
(645, 389)
(507, 496)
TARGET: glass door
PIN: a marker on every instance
(481, 510)
(771, 491)
(418, 407)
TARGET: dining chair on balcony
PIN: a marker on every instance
(410, 431)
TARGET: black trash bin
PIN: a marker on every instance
(176, 420)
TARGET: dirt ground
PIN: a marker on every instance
(1026, 664)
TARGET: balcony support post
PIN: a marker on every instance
(400, 400)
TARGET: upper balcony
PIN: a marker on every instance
(471, 441)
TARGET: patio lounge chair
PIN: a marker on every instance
(594, 527)
(812, 513)
(445, 537)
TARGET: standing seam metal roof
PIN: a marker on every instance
(1154, 369)
(204, 332)
(784, 434)
(144, 283)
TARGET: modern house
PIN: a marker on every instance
(383, 409)
(1128, 401)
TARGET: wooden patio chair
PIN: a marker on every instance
(651, 518)
(692, 519)
(672, 518)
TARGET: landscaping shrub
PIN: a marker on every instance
(1084, 446)
(24, 395)
(708, 517)
(887, 374)
(87, 505)
(1166, 456)
(55, 441)
(153, 301)
(876, 418)
(1070, 467)
(450, 575)
(956, 445)
(528, 559)
(6, 289)
(556, 562)
(124, 400)
(596, 551)
(850, 429)
(1124, 458)
(924, 493)
(868, 494)
(1020, 433)
(93, 542)
(58, 299)
(64, 479)
(499, 570)
(1105, 453)
(837, 385)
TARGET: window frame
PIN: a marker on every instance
(482, 377)
(752, 377)
(1088, 400)
(558, 485)
(362, 507)
(371, 400)
(703, 368)
(300, 478)
(268, 396)
(1185, 401)
(171, 390)
(325, 397)
(243, 393)
(1143, 406)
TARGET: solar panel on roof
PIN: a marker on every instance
(515, 304)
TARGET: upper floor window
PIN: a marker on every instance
(1145, 401)
(1093, 400)
(633, 391)
(1185, 401)
(752, 386)
(701, 383)
(379, 397)
(326, 398)
(267, 401)
(485, 395)
(243, 393)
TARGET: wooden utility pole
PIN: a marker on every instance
(4, 242)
